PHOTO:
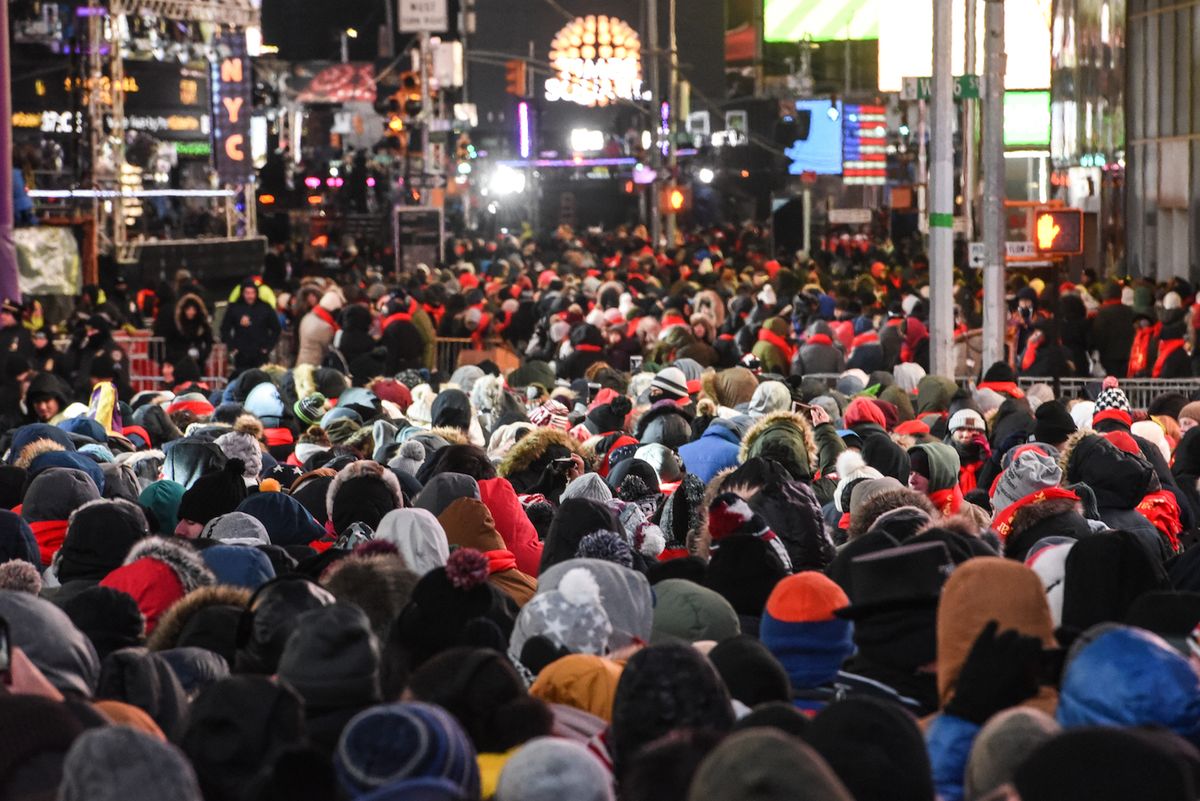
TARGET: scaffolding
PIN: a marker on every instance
(107, 174)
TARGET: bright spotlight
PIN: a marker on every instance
(706, 175)
(507, 181)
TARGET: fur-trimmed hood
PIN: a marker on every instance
(35, 449)
(360, 469)
(200, 323)
(788, 425)
(166, 635)
(183, 560)
(531, 447)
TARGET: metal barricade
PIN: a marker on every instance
(448, 351)
(1141, 392)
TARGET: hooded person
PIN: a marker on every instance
(743, 571)
(113, 763)
(389, 747)
(469, 524)
(48, 638)
(332, 660)
(730, 388)
(418, 536)
(787, 438)
(234, 528)
(666, 424)
(579, 683)
(1103, 576)
(100, 534)
(287, 521)
(767, 765)
(1028, 504)
(875, 748)
(818, 353)
(716, 449)
(769, 396)
(894, 594)
(935, 469)
(512, 523)
(362, 492)
(236, 728)
(160, 501)
(574, 520)
(144, 680)
(688, 612)
(158, 572)
(49, 503)
(239, 565)
(984, 597)
(569, 619)
(539, 463)
(1123, 676)
(209, 496)
(626, 593)
(1120, 481)
(800, 629)
(189, 458)
(665, 687)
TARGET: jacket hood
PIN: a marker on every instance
(469, 524)
(359, 470)
(451, 409)
(418, 536)
(190, 298)
(729, 388)
(580, 681)
(934, 394)
(189, 458)
(778, 433)
(1130, 677)
(628, 599)
(173, 622)
(51, 642)
(48, 385)
(984, 589)
(943, 465)
(444, 489)
(531, 448)
(287, 522)
(1119, 480)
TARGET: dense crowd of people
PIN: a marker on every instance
(678, 525)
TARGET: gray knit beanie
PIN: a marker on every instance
(236, 445)
(554, 769)
(235, 528)
(1029, 472)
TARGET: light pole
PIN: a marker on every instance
(941, 206)
(993, 183)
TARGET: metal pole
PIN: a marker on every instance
(656, 93)
(993, 184)
(9, 287)
(345, 47)
(970, 169)
(389, 36)
(806, 198)
(426, 105)
(941, 206)
(672, 118)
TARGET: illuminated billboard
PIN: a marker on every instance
(821, 151)
(906, 43)
(1027, 119)
(597, 61)
(821, 20)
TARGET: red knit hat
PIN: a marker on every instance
(807, 597)
(864, 410)
(1124, 442)
(914, 428)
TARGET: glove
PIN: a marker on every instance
(1001, 671)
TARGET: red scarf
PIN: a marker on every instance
(670, 320)
(278, 436)
(1002, 525)
(1031, 349)
(1139, 356)
(1112, 302)
(865, 338)
(1165, 348)
(398, 317)
(499, 561)
(1008, 388)
(588, 348)
(673, 553)
(947, 501)
(771, 338)
(481, 330)
(1161, 509)
(968, 477)
(819, 339)
(327, 317)
(49, 535)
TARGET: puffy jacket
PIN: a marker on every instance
(1129, 677)
(512, 523)
(716, 450)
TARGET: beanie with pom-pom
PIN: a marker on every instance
(269, 485)
(1112, 404)
(571, 616)
(606, 546)
(409, 458)
(609, 417)
(20, 576)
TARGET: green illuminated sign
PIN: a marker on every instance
(821, 20)
(1026, 119)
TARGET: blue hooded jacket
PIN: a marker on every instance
(716, 450)
(1129, 677)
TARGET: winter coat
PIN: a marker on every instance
(716, 450)
(1112, 335)
(512, 523)
(316, 337)
(1036, 521)
(818, 358)
(791, 510)
(410, 340)
(469, 524)
(184, 336)
(788, 438)
(251, 342)
(772, 348)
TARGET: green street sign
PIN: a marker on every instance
(966, 87)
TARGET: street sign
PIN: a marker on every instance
(1059, 232)
(427, 181)
(849, 216)
(424, 16)
(966, 87)
(1020, 250)
(977, 255)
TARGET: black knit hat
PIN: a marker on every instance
(1054, 423)
(332, 658)
(364, 499)
(609, 416)
(744, 570)
(110, 619)
(99, 536)
(751, 672)
(214, 494)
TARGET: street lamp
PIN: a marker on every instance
(706, 175)
(346, 36)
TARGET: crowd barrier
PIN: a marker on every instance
(146, 354)
(1141, 392)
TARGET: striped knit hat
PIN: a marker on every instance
(672, 382)
(799, 627)
(550, 414)
(729, 515)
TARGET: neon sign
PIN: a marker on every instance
(597, 61)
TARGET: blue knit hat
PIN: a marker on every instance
(392, 743)
(799, 627)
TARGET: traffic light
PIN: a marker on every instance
(1058, 232)
(515, 73)
(462, 148)
(408, 96)
(675, 199)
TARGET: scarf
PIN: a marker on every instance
(947, 501)
(588, 348)
(771, 338)
(1165, 348)
(1139, 356)
(819, 339)
(499, 561)
(1161, 509)
(1002, 525)
(480, 331)
(1030, 357)
(1008, 388)
(49, 535)
(670, 320)
(327, 317)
